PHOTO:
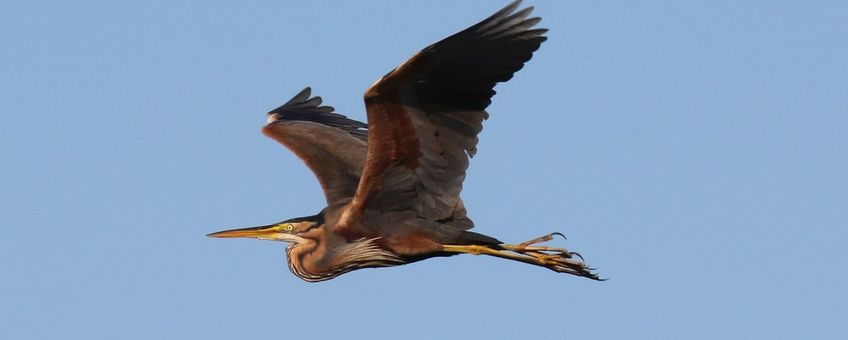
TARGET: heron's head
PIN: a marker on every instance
(288, 230)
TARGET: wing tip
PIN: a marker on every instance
(302, 98)
(509, 22)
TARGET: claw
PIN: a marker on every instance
(558, 234)
(574, 253)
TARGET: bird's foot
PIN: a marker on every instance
(560, 260)
(543, 238)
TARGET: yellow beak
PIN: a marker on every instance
(267, 232)
(274, 232)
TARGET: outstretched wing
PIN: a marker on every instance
(332, 145)
(424, 116)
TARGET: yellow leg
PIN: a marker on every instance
(556, 259)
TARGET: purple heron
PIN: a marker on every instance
(393, 186)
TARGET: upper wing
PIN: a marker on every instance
(332, 145)
(424, 116)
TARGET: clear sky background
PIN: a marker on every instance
(695, 152)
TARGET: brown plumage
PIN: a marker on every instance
(393, 186)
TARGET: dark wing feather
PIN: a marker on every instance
(425, 115)
(332, 145)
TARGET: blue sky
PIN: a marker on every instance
(695, 152)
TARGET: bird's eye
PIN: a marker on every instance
(289, 227)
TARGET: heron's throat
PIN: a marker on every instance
(304, 261)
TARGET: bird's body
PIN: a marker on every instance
(393, 186)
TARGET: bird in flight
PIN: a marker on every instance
(393, 185)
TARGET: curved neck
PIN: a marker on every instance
(319, 260)
(295, 254)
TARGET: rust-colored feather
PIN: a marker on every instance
(424, 117)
